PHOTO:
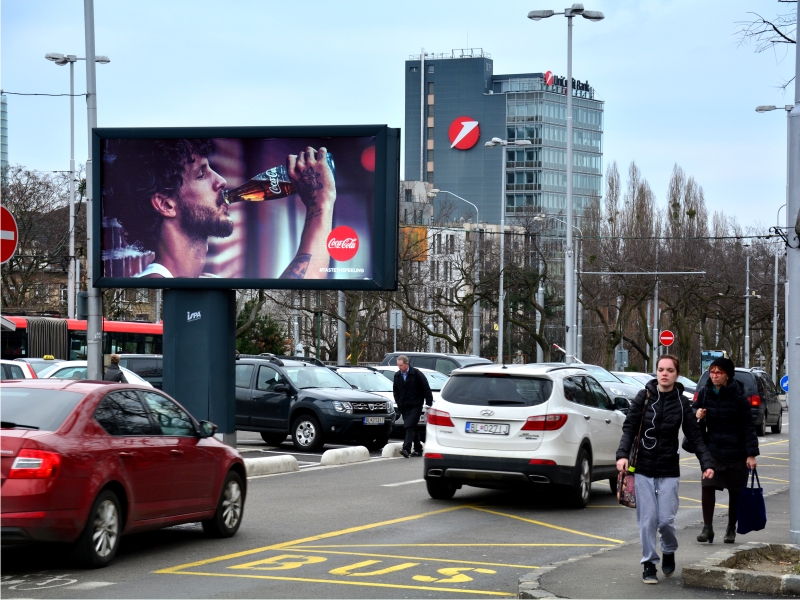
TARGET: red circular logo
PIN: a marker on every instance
(10, 234)
(666, 338)
(464, 133)
(342, 243)
(548, 78)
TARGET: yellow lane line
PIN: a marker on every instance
(773, 457)
(773, 443)
(454, 546)
(357, 583)
(773, 479)
(420, 558)
(598, 537)
(717, 505)
(313, 538)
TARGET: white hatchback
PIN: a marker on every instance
(521, 426)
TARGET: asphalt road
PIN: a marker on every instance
(363, 530)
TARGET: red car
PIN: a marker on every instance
(85, 462)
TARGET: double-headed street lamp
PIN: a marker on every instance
(503, 144)
(576, 10)
(61, 60)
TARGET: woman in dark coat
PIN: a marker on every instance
(731, 439)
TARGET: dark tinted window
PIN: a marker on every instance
(487, 390)
(244, 373)
(576, 390)
(268, 378)
(146, 367)
(45, 409)
(768, 385)
(122, 413)
(603, 401)
(171, 418)
(12, 372)
(748, 382)
(422, 362)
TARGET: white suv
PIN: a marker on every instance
(520, 426)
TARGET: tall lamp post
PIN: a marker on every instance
(503, 144)
(569, 279)
(61, 60)
(476, 305)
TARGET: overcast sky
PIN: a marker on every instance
(678, 86)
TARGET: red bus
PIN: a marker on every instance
(66, 338)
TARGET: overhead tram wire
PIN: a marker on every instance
(24, 94)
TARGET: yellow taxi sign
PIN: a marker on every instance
(48, 357)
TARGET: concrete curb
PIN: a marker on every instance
(392, 450)
(719, 571)
(269, 465)
(343, 456)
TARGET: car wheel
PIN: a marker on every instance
(273, 439)
(377, 443)
(779, 425)
(307, 433)
(440, 490)
(230, 508)
(761, 428)
(581, 487)
(612, 483)
(100, 538)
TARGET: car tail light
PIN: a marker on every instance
(440, 418)
(541, 461)
(544, 423)
(755, 401)
(432, 455)
(35, 464)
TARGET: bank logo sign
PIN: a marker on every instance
(548, 78)
(464, 133)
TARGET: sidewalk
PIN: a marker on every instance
(616, 573)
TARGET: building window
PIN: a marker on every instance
(430, 68)
(488, 67)
(434, 270)
(414, 69)
(142, 296)
(430, 110)
(430, 133)
(430, 176)
(430, 155)
(430, 84)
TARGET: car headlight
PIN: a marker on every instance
(344, 407)
(617, 392)
(389, 407)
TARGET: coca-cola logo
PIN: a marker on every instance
(274, 186)
(342, 243)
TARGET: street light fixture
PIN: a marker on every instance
(491, 144)
(569, 280)
(61, 60)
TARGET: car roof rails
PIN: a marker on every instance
(314, 361)
(263, 356)
(551, 369)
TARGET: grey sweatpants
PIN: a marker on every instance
(656, 507)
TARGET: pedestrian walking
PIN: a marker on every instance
(113, 372)
(411, 391)
(662, 412)
(730, 436)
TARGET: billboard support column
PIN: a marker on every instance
(341, 331)
(199, 351)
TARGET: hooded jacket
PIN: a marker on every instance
(667, 413)
(730, 431)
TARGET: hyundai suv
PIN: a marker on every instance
(762, 395)
(522, 426)
(311, 403)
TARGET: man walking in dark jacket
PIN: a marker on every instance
(113, 372)
(411, 389)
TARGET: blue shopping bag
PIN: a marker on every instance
(752, 514)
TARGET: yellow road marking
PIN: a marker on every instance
(421, 558)
(312, 538)
(773, 457)
(345, 582)
(451, 546)
(598, 537)
(717, 505)
(773, 443)
(348, 569)
(773, 479)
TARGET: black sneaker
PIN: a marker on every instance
(668, 564)
(405, 453)
(416, 453)
(649, 574)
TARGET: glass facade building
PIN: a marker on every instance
(513, 107)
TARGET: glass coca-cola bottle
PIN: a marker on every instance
(272, 184)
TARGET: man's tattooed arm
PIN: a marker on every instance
(297, 268)
(307, 185)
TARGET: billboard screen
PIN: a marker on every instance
(227, 208)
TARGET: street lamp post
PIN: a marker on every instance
(747, 317)
(61, 60)
(569, 280)
(476, 305)
(503, 144)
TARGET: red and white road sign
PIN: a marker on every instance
(666, 338)
(464, 133)
(9, 234)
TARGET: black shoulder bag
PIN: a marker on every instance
(626, 490)
(687, 444)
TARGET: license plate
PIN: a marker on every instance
(373, 420)
(488, 428)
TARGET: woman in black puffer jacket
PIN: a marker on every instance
(731, 438)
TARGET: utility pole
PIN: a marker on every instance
(341, 331)
(747, 317)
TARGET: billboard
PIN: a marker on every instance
(254, 207)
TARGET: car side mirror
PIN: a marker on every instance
(207, 429)
(281, 387)
(621, 404)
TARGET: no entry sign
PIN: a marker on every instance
(666, 338)
(9, 234)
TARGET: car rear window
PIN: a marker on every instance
(12, 372)
(38, 367)
(491, 390)
(42, 409)
(746, 379)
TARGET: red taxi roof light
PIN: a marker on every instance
(35, 464)
(545, 422)
(755, 401)
(440, 418)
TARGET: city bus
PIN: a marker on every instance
(66, 338)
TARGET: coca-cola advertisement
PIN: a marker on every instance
(246, 209)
